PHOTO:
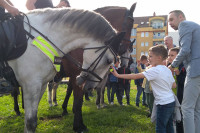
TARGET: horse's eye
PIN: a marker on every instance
(109, 61)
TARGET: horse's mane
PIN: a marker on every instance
(89, 22)
(109, 7)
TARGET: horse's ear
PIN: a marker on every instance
(117, 40)
(133, 42)
(132, 9)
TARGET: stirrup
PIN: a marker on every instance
(5, 87)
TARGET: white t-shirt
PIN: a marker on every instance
(161, 81)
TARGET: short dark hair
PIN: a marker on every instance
(66, 1)
(159, 50)
(117, 60)
(176, 49)
(143, 57)
(177, 13)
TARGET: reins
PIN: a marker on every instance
(78, 64)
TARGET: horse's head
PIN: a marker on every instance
(125, 53)
(97, 60)
(121, 19)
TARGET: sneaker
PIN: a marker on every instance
(149, 115)
(144, 104)
(87, 99)
(111, 103)
(121, 104)
(104, 105)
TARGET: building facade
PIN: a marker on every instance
(148, 31)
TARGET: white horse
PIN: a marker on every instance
(68, 29)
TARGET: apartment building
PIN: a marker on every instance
(148, 31)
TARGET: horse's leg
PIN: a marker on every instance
(55, 87)
(78, 125)
(102, 90)
(32, 95)
(22, 98)
(68, 94)
(102, 96)
(50, 87)
(15, 94)
(98, 97)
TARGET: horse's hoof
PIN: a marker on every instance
(51, 105)
(104, 105)
(98, 107)
(18, 113)
(55, 104)
(64, 113)
(83, 130)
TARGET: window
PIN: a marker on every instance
(158, 35)
(157, 24)
(146, 44)
(142, 44)
(142, 34)
(142, 53)
(134, 51)
(146, 34)
(133, 32)
(146, 53)
(134, 59)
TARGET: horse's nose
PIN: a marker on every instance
(80, 79)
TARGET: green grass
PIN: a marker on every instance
(112, 119)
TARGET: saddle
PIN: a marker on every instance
(13, 43)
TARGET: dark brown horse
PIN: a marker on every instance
(120, 18)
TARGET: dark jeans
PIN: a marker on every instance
(139, 92)
(180, 89)
(164, 121)
(114, 87)
(108, 92)
(126, 88)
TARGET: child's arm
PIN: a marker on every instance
(174, 85)
(127, 76)
(177, 72)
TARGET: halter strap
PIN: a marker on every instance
(78, 64)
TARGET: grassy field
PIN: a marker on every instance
(112, 119)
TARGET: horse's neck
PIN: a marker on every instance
(60, 35)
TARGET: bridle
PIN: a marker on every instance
(124, 28)
(78, 64)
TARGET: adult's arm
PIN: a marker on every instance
(30, 4)
(185, 33)
(9, 7)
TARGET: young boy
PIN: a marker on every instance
(162, 81)
(140, 63)
(114, 84)
(180, 74)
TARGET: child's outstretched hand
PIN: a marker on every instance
(114, 72)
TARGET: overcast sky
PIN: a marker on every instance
(191, 8)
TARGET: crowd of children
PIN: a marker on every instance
(157, 85)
